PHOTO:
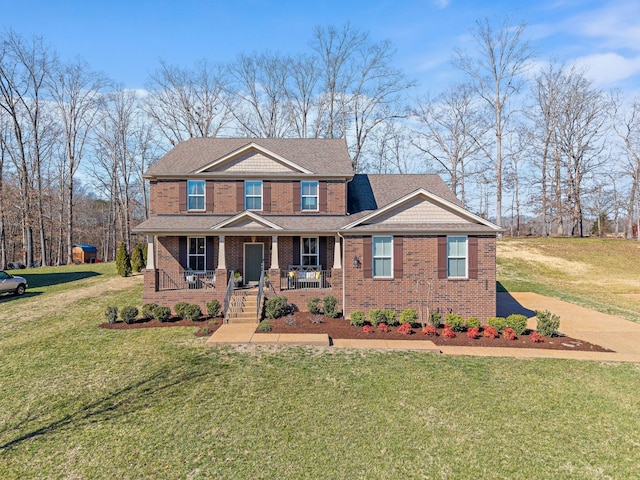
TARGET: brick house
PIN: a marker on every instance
(293, 210)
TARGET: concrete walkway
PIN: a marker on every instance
(615, 333)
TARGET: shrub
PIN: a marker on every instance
(455, 322)
(180, 308)
(111, 314)
(316, 318)
(162, 314)
(405, 329)
(357, 318)
(128, 314)
(213, 308)
(548, 323)
(517, 322)
(192, 312)
(509, 334)
(137, 258)
(435, 318)
(314, 306)
(147, 310)
(123, 261)
(490, 332)
(390, 317)
(408, 316)
(473, 332)
(376, 316)
(447, 332)
(206, 331)
(430, 330)
(276, 307)
(264, 326)
(536, 338)
(329, 305)
(499, 323)
(472, 322)
(367, 329)
(383, 327)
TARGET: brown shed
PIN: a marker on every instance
(84, 253)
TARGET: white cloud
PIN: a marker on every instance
(441, 3)
(607, 69)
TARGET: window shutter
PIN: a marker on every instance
(322, 253)
(266, 196)
(296, 251)
(322, 194)
(210, 265)
(240, 196)
(398, 261)
(296, 196)
(367, 253)
(442, 257)
(182, 196)
(209, 196)
(182, 251)
(473, 257)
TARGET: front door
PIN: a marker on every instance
(253, 255)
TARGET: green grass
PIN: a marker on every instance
(81, 402)
(599, 274)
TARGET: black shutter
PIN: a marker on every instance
(182, 251)
(210, 251)
(296, 251)
(322, 253)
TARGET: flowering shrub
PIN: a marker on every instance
(405, 329)
(430, 330)
(367, 329)
(536, 338)
(384, 328)
(509, 334)
(473, 332)
(447, 332)
(490, 332)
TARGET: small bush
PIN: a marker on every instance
(517, 322)
(206, 331)
(357, 318)
(408, 316)
(276, 307)
(111, 314)
(509, 334)
(472, 322)
(330, 305)
(499, 323)
(128, 314)
(147, 310)
(376, 316)
(548, 323)
(434, 319)
(490, 332)
(536, 338)
(180, 308)
(383, 327)
(448, 332)
(390, 317)
(473, 332)
(455, 322)
(405, 329)
(192, 312)
(314, 306)
(367, 329)
(213, 308)
(430, 330)
(162, 314)
(264, 326)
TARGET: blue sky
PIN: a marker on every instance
(126, 38)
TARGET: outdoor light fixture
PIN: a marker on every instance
(356, 261)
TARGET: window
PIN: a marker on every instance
(196, 254)
(309, 251)
(309, 195)
(457, 257)
(253, 195)
(383, 257)
(195, 194)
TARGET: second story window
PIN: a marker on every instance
(195, 194)
(253, 195)
(309, 195)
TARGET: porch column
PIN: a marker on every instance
(274, 252)
(337, 253)
(151, 254)
(222, 263)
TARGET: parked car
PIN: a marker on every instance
(15, 266)
(12, 283)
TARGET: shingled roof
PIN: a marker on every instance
(318, 155)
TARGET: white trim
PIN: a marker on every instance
(466, 257)
(317, 254)
(246, 214)
(430, 196)
(222, 260)
(257, 147)
(274, 252)
(204, 264)
(373, 256)
(151, 256)
(246, 196)
(317, 196)
(244, 259)
(204, 196)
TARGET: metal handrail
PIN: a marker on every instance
(260, 288)
(227, 298)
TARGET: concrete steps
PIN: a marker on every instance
(243, 308)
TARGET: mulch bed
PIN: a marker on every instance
(340, 328)
(172, 322)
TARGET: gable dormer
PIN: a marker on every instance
(253, 159)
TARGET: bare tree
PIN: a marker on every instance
(496, 75)
(300, 91)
